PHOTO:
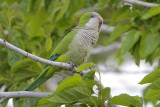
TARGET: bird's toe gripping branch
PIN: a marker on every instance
(71, 66)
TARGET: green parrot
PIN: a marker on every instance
(75, 46)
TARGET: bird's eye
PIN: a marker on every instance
(92, 16)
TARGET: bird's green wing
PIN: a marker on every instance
(48, 71)
(63, 46)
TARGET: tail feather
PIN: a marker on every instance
(40, 80)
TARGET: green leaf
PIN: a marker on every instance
(151, 12)
(85, 66)
(106, 93)
(10, 2)
(38, 20)
(93, 101)
(48, 43)
(124, 13)
(70, 81)
(30, 102)
(102, 3)
(158, 105)
(14, 57)
(26, 64)
(3, 19)
(119, 30)
(149, 43)
(126, 100)
(155, 84)
(150, 77)
(63, 10)
(34, 6)
(153, 94)
(135, 52)
(25, 69)
(89, 75)
(131, 39)
(70, 94)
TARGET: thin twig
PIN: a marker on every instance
(109, 20)
(140, 3)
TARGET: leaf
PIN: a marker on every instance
(126, 100)
(150, 77)
(153, 94)
(25, 69)
(158, 105)
(135, 52)
(131, 39)
(63, 10)
(3, 19)
(70, 94)
(119, 30)
(38, 20)
(148, 44)
(26, 64)
(14, 57)
(102, 3)
(124, 13)
(68, 82)
(10, 2)
(106, 93)
(85, 66)
(48, 43)
(34, 6)
(89, 75)
(151, 12)
(30, 102)
(93, 101)
(155, 84)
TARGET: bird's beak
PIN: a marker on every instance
(100, 20)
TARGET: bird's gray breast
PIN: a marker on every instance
(81, 46)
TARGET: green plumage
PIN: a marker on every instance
(71, 48)
(48, 71)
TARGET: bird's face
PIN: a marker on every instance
(91, 20)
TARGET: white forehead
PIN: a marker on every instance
(95, 13)
(93, 22)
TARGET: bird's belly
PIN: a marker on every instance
(78, 55)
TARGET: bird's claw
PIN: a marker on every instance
(71, 66)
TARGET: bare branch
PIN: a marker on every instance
(34, 57)
(140, 3)
(23, 94)
(109, 20)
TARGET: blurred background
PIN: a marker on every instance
(37, 26)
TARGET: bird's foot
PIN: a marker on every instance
(71, 66)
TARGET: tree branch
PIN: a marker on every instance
(18, 94)
(140, 3)
(34, 57)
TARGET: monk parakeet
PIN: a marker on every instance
(75, 46)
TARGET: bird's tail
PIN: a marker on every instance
(40, 80)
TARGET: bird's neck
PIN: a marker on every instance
(88, 36)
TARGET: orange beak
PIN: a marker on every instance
(100, 19)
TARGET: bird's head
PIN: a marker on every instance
(91, 20)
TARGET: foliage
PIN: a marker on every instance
(36, 26)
